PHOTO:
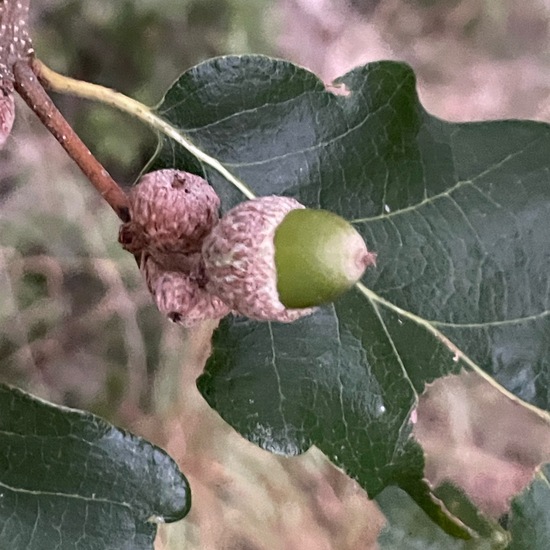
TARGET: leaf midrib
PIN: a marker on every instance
(458, 353)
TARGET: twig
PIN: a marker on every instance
(30, 89)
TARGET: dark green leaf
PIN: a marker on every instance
(530, 518)
(69, 480)
(458, 215)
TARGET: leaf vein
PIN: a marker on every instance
(64, 495)
(458, 353)
(319, 144)
(447, 192)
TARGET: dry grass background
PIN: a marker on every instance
(76, 325)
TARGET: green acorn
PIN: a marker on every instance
(272, 259)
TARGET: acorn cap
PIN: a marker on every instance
(171, 212)
(181, 296)
(272, 259)
(239, 259)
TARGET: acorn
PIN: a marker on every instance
(181, 296)
(171, 212)
(273, 259)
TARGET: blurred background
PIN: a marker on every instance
(75, 304)
(76, 323)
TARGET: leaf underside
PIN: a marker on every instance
(69, 480)
(458, 216)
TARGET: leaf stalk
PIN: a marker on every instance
(66, 85)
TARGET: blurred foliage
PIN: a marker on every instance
(139, 47)
(69, 328)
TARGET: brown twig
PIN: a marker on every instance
(30, 89)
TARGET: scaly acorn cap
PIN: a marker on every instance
(182, 296)
(272, 259)
(171, 212)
